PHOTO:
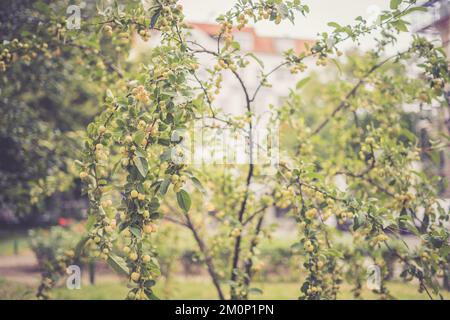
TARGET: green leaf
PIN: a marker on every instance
(400, 25)
(334, 25)
(283, 10)
(154, 204)
(164, 186)
(90, 222)
(258, 60)
(109, 95)
(333, 253)
(149, 283)
(118, 264)
(414, 9)
(302, 83)
(139, 137)
(80, 246)
(164, 142)
(114, 169)
(154, 268)
(395, 4)
(135, 231)
(297, 246)
(236, 45)
(184, 200)
(151, 295)
(408, 134)
(166, 155)
(198, 185)
(338, 66)
(140, 152)
(154, 19)
(142, 166)
(120, 123)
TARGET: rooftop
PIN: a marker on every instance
(252, 42)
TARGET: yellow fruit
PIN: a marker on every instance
(126, 249)
(142, 295)
(135, 276)
(97, 239)
(177, 187)
(131, 296)
(311, 213)
(128, 139)
(148, 228)
(141, 197)
(108, 229)
(106, 203)
(146, 258)
(107, 30)
(123, 150)
(101, 129)
(133, 256)
(134, 194)
(235, 232)
(70, 253)
(83, 175)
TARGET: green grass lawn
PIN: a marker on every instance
(201, 288)
(191, 288)
(13, 242)
(15, 291)
(179, 287)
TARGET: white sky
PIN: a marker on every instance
(321, 12)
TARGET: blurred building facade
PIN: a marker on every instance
(269, 50)
(436, 24)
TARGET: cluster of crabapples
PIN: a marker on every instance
(141, 94)
(298, 67)
(403, 200)
(101, 233)
(171, 15)
(226, 30)
(22, 51)
(284, 197)
(262, 11)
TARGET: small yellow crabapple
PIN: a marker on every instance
(134, 194)
(135, 276)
